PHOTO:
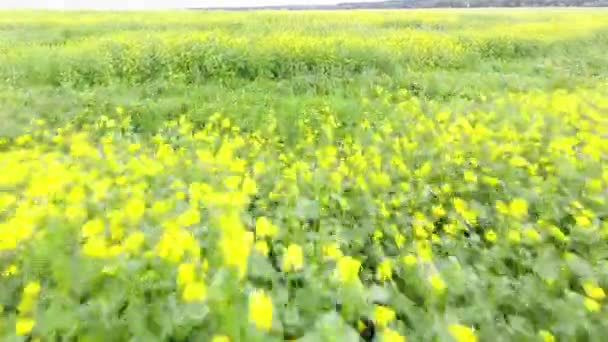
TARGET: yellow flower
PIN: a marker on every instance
(409, 260)
(502, 207)
(96, 247)
(383, 315)
(518, 208)
(389, 335)
(235, 242)
(293, 260)
(460, 205)
(546, 336)
(462, 333)
(134, 241)
(490, 236)
(384, 270)
(399, 240)
(470, 177)
(424, 251)
(260, 310)
(265, 228)
(347, 269)
(134, 210)
(249, 186)
(180, 195)
(24, 326)
(185, 274)
(532, 235)
(236, 251)
(437, 283)
(592, 305)
(10, 270)
(331, 251)
(32, 289)
(189, 217)
(92, 227)
(262, 247)
(593, 291)
(194, 292)
(438, 211)
(29, 297)
(134, 147)
(583, 221)
(557, 233)
(220, 338)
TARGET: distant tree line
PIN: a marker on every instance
(397, 4)
(472, 3)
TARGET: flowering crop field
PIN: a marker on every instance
(436, 175)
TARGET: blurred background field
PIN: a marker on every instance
(161, 65)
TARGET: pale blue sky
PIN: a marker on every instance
(153, 4)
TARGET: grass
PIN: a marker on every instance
(430, 175)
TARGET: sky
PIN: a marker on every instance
(152, 4)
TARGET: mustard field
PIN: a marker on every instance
(424, 175)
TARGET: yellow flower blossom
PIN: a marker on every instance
(265, 228)
(134, 242)
(546, 336)
(347, 270)
(92, 227)
(409, 260)
(24, 326)
(518, 208)
(437, 284)
(262, 247)
(96, 247)
(235, 243)
(194, 291)
(293, 259)
(438, 211)
(462, 333)
(185, 274)
(557, 233)
(384, 271)
(532, 235)
(331, 251)
(383, 315)
(260, 310)
(490, 236)
(593, 291)
(592, 305)
(583, 221)
(32, 289)
(220, 338)
(10, 270)
(389, 335)
(134, 210)
(189, 217)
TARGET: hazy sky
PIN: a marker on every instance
(152, 4)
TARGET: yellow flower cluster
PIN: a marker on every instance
(26, 320)
(192, 289)
(260, 310)
(462, 333)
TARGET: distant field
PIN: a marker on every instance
(435, 175)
